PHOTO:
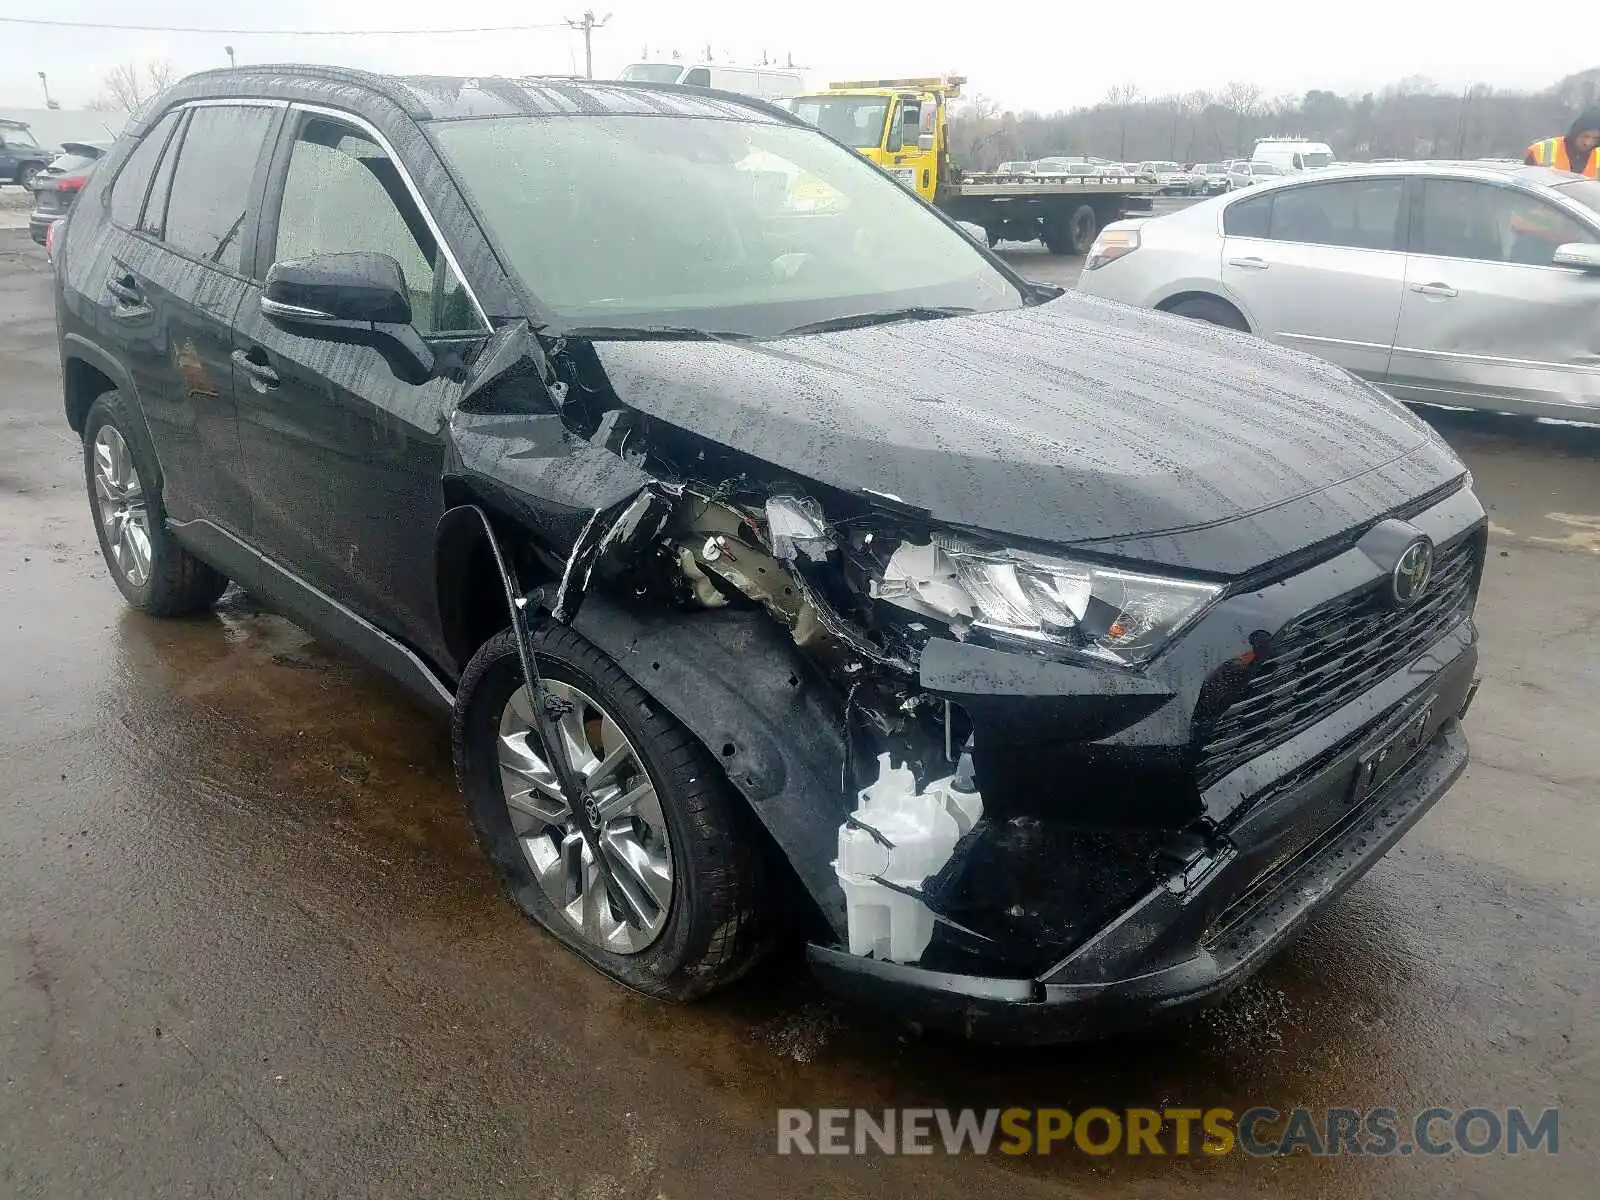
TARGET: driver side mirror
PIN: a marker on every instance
(355, 298)
(1584, 256)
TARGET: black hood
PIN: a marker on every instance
(1076, 422)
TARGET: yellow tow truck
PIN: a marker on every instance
(903, 126)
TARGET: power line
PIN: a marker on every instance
(120, 28)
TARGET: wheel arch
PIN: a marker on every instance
(732, 677)
(87, 373)
(1168, 303)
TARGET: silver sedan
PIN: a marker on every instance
(1470, 285)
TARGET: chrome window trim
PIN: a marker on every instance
(239, 102)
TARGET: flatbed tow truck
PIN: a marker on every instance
(902, 125)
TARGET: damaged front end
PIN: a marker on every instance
(984, 762)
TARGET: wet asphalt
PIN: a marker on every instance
(247, 947)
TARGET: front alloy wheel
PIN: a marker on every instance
(670, 896)
(620, 803)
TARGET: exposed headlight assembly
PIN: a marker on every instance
(1052, 604)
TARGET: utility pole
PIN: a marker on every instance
(231, 61)
(588, 24)
(45, 82)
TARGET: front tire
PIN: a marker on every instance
(154, 573)
(683, 850)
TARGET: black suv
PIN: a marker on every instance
(783, 559)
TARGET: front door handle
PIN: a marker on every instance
(1434, 289)
(1249, 264)
(262, 377)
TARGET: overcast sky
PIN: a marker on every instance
(1024, 53)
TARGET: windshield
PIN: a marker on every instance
(652, 73)
(1316, 159)
(1585, 191)
(20, 137)
(1216, 168)
(1165, 167)
(1261, 168)
(854, 120)
(755, 228)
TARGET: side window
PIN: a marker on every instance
(1248, 218)
(1464, 219)
(699, 77)
(343, 193)
(155, 208)
(210, 194)
(1357, 213)
(133, 181)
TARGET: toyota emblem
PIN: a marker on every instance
(1412, 573)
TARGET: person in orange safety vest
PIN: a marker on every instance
(1577, 152)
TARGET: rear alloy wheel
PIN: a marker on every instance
(119, 501)
(669, 897)
(153, 572)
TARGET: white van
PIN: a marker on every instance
(764, 83)
(1293, 154)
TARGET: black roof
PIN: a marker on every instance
(443, 98)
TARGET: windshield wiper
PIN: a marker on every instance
(883, 317)
(649, 333)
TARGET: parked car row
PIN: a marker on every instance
(21, 155)
(58, 184)
(1466, 284)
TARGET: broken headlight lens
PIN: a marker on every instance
(1096, 612)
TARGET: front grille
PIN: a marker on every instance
(1323, 660)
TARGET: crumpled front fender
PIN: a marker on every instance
(740, 685)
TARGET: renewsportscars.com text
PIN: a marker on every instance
(1263, 1132)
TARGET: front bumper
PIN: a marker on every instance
(1213, 921)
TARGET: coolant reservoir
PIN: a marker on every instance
(902, 836)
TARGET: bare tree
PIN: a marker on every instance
(1409, 118)
(1190, 105)
(1120, 98)
(128, 87)
(1242, 99)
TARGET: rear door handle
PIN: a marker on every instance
(130, 301)
(262, 377)
(1249, 264)
(1434, 289)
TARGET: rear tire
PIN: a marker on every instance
(1072, 234)
(1212, 311)
(153, 572)
(711, 927)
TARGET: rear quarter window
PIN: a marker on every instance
(133, 180)
(1248, 218)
